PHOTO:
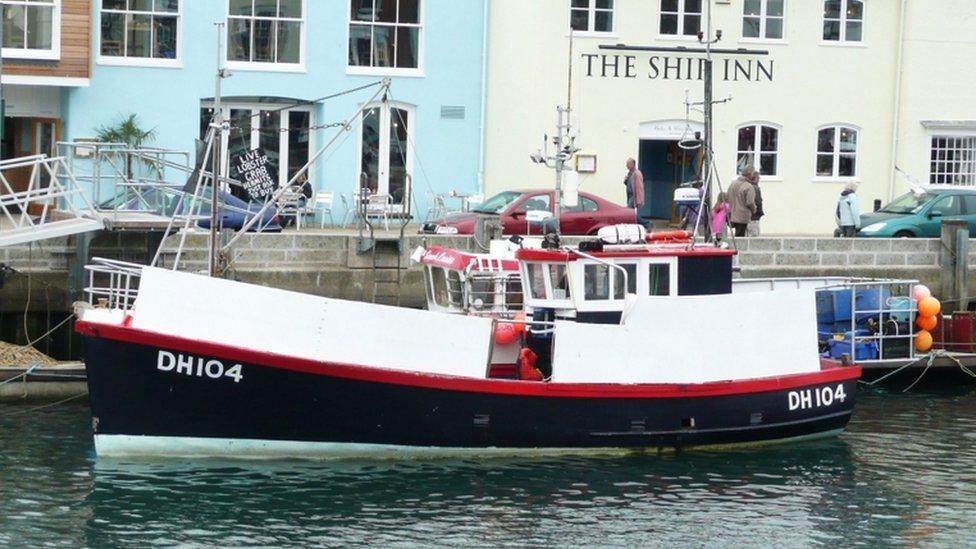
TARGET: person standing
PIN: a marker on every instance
(753, 227)
(848, 212)
(634, 182)
(742, 200)
(720, 214)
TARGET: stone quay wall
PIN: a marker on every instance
(327, 264)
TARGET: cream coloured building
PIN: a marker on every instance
(828, 92)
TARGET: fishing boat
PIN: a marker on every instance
(624, 348)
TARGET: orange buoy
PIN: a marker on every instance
(923, 341)
(519, 323)
(505, 334)
(662, 236)
(927, 323)
(929, 306)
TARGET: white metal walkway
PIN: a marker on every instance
(53, 204)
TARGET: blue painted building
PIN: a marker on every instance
(158, 59)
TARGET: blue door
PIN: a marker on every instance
(658, 179)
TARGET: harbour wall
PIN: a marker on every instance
(327, 264)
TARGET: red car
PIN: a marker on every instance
(588, 216)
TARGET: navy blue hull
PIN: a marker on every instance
(132, 395)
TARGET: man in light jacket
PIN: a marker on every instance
(742, 200)
(848, 212)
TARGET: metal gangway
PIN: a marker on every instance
(53, 204)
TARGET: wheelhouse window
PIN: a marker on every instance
(659, 279)
(284, 135)
(953, 160)
(758, 146)
(843, 20)
(537, 280)
(594, 16)
(596, 282)
(438, 281)
(559, 280)
(837, 152)
(681, 17)
(385, 34)
(763, 19)
(618, 280)
(32, 29)
(267, 32)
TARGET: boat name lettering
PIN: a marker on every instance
(197, 366)
(443, 258)
(822, 397)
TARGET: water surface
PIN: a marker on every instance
(903, 474)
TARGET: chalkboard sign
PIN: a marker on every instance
(252, 172)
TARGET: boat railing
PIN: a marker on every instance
(882, 312)
(112, 284)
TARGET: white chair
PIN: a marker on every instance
(321, 204)
(290, 205)
(351, 211)
(380, 205)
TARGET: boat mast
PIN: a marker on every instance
(218, 120)
(563, 140)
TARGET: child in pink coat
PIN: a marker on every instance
(720, 213)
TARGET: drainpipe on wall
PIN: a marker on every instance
(483, 130)
(896, 118)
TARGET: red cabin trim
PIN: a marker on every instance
(829, 374)
(629, 252)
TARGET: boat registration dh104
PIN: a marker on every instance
(196, 366)
(820, 397)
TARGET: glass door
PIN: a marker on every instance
(45, 142)
(385, 151)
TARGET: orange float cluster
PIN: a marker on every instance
(927, 319)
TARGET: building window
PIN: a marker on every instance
(762, 141)
(591, 15)
(265, 31)
(385, 150)
(837, 152)
(32, 29)
(139, 29)
(681, 17)
(283, 135)
(843, 20)
(953, 160)
(763, 19)
(385, 33)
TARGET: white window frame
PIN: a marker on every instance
(267, 66)
(52, 54)
(391, 71)
(591, 10)
(757, 140)
(681, 13)
(763, 19)
(837, 126)
(958, 134)
(255, 140)
(384, 160)
(176, 63)
(842, 40)
(644, 274)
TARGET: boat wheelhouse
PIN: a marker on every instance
(466, 283)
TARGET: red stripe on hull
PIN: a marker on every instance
(830, 372)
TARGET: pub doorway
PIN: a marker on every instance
(665, 166)
(27, 136)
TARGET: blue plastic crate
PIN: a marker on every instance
(864, 350)
(825, 307)
(842, 300)
(869, 301)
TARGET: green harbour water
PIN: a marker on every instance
(903, 474)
